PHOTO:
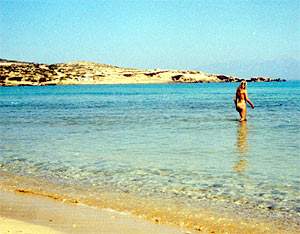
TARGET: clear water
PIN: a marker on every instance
(180, 141)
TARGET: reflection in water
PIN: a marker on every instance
(242, 147)
(242, 138)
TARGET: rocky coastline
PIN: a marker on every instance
(16, 73)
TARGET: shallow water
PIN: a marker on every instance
(169, 141)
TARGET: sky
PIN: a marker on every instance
(236, 37)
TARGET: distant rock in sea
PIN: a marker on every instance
(265, 79)
(16, 73)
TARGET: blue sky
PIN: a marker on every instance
(212, 35)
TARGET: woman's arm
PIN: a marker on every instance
(235, 100)
(248, 100)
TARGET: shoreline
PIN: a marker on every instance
(37, 214)
(157, 214)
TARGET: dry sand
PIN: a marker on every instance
(15, 226)
(34, 214)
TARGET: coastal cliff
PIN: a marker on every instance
(16, 73)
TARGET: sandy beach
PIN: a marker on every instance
(35, 214)
(28, 206)
(15, 226)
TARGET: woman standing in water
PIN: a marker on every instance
(241, 98)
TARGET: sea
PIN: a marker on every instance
(178, 142)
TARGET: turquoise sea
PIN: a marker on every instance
(179, 141)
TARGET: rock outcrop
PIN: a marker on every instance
(15, 73)
(265, 79)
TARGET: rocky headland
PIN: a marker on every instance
(16, 73)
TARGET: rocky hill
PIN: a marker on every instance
(15, 73)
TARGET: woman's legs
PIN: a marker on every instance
(241, 108)
(243, 113)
